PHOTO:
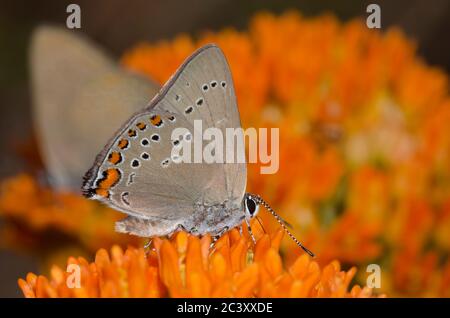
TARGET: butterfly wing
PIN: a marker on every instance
(135, 174)
(80, 97)
(204, 82)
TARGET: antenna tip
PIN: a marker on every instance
(283, 225)
(309, 252)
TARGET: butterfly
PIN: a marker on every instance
(81, 94)
(136, 175)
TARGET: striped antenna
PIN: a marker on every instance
(282, 223)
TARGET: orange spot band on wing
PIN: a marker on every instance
(102, 192)
(110, 178)
(123, 143)
(156, 120)
(115, 157)
(141, 126)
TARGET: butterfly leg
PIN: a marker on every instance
(250, 232)
(213, 241)
(217, 236)
(147, 246)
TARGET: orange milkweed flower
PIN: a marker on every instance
(186, 266)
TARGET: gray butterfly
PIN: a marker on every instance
(135, 173)
(80, 96)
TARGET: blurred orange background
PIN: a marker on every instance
(364, 138)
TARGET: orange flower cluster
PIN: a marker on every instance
(364, 157)
(186, 266)
(44, 210)
(364, 141)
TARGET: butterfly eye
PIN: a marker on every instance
(251, 207)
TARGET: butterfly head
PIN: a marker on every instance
(253, 201)
(251, 205)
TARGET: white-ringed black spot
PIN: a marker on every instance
(145, 156)
(205, 87)
(199, 102)
(189, 109)
(145, 142)
(155, 137)
(223, 84)
(135, 163)
(213, 84)
(165, 163)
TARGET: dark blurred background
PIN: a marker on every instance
(117, 25)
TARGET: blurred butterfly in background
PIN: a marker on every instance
(135, 173)
(80, 97)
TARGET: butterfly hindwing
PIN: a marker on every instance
(135, 172)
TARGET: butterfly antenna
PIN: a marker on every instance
(283, 224)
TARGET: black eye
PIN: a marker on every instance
(251, 206)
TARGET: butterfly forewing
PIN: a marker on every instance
(203, 90)
(80, 97)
